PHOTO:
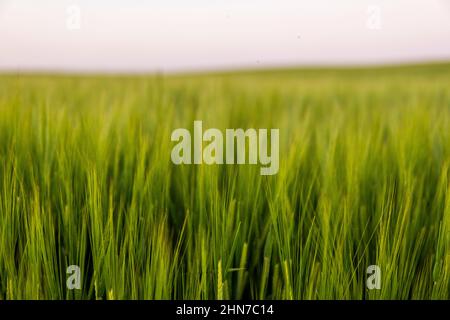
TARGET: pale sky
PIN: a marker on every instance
(176, 35)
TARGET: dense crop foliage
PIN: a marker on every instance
(86, 179)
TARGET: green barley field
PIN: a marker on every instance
(86, 179)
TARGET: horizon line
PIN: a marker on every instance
(227, 69)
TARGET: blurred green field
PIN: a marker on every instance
(86, 179)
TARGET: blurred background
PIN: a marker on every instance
(175, 35)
